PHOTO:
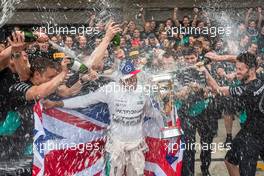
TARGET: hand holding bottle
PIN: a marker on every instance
(41, 37)
(112, 30)
(34, 36)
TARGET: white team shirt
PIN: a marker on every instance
(127, 109)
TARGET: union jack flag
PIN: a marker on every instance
(70, 142)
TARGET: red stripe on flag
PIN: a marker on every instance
(158, 148)
(98, 174)
(35, 170)
(71, 161)
(148, 173)
(179, 168)
(37, 109)
(71, 119)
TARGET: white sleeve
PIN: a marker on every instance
(100, 95)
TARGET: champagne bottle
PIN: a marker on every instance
(116, 40)
(75, 63)
(77, 66)
(29, 36)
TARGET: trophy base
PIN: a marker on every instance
(170, 132)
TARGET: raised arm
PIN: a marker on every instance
(4, 58)
(142, 11)
(207, 19)
(17, 45)
(247, 16)
(98, 54)
(175, 18)
(100, 95)
(195, 10)
(260, 17)
(91, 19)
(84, 101)
(213, 84)
(217, 58)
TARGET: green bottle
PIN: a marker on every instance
(78, 66)
(30, 37)
(116, 40)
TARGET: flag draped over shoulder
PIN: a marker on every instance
(71, 142)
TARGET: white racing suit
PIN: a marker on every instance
(125, 144)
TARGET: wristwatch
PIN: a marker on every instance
(16, 55)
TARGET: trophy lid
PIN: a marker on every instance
(161, 77)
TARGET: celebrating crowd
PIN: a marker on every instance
(214, 77)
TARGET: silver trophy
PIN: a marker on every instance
(165, 99)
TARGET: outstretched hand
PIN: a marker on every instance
(17, 42)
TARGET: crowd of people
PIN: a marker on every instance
(215, 77)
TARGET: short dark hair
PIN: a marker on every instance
(198, 43)
(169, 19)
(199, 21)
(245, 35)
(186, 17)
(247, 58)
(188, 51)
(168, 53)
(173, 24)
(151, 36)
(40, 64)
(252, 20)
(67, 36)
